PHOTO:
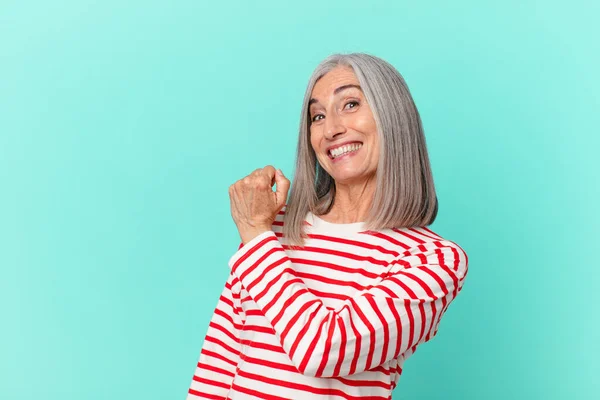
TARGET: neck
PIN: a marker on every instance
(352, 202)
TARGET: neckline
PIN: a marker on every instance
(320, 224)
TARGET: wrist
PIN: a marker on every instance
(250, 233)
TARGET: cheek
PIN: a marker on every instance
(313, 139)
(376, 151)
(365, 123)
(370, 129)
(312, 144)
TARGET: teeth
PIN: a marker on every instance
(339, 151)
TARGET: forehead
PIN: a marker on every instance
(335, 78)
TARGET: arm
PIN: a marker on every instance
(221, 349)
(378, 325)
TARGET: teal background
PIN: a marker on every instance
(122, 124)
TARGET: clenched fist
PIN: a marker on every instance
(254, 204)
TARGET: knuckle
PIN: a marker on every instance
(262, 184)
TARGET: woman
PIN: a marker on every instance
(332, 290)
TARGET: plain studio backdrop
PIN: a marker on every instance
(122, 124)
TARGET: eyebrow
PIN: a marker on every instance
(336, 91)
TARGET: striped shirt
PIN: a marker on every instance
(335, 319)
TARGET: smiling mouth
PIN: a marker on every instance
(343, 150)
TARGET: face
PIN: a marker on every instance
(343, 132)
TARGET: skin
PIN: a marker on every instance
(254, 204)
(336, 118)
(339, 118)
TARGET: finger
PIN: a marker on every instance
(281, 191)
(256, 172)
(269, 172)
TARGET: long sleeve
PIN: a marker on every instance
(221, 349)
(401, 311)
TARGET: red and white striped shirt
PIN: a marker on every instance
(335, 319)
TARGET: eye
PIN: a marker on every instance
(352, 102)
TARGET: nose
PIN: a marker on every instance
(333, 126)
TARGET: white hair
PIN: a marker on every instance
(404, 194)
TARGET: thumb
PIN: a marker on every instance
(281, 189)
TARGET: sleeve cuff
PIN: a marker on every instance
(242, 251)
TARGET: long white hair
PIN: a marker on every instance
(405, 193)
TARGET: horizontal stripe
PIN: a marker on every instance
(337, 317)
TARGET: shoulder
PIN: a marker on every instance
(429, 248)
(410, 241)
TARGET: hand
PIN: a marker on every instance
(254, 205)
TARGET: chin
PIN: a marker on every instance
(347, 177)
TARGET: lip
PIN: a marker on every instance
(340, 145)
(345, 156)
